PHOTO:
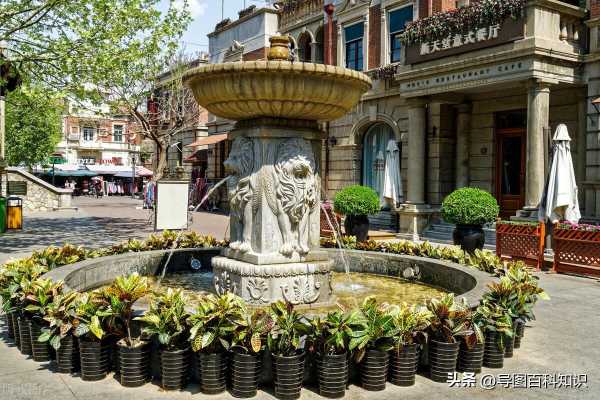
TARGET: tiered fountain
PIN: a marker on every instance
(275, 189)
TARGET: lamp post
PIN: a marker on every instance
(133, 185)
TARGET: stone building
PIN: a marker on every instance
(470, 109)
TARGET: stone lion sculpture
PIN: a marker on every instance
(240, 165)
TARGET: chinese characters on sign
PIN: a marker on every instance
(519, 381)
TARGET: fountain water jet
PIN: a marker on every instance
(275, 166)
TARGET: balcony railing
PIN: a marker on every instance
(296, 11)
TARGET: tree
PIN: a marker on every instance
(33, 126)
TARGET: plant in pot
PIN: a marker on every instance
(212, 325)
(134, 351)
(357, 203)
(329, 339)
(39, 300)
(470, 355)
(285, 342)
(247, 346)
(448, 324)
(408, 331)
(371, 340)
(469, 209)
(5, 283)
(59, 333)
(496, 322)
(166, 320)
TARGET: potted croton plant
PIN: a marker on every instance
(371, 339)
(285, 342)
(498, 328)
(469, 209)
(59, 332)
(446, 327)
(167, 321)
(329, 339)
(408, 331)
(470, 355)
(43, 292)
(212, 325)
(247, 346)
(357, 203)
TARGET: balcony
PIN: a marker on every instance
(114, 146)
(297, 12)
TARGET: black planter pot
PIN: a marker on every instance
(519, 333)
(174, 368)
(469, 237)
(213, 372)
(114, 363)
(15, 326)
(288, 374)
(374, 370)
(403, 365)
(442, 359)
(67, 355)
(470, 359)
(245, 372)
(357, 225)
(509, 346)
(25, 335)
(41, 351)
(94, 357)
(134, 364)
(333, 375)
(10, 330)
(494, 355)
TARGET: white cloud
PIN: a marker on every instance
(197, 8)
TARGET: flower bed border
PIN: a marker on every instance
(576, 251)
(521, 241)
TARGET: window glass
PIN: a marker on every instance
(398, 20)
(374, 154)
(88, 134)
(117, 133)
(354, 46)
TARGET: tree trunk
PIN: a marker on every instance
(161, 157)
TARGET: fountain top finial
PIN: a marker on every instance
(280, 48)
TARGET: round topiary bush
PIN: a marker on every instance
(470, 206)
(357, 200)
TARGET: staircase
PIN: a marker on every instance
(441, 232)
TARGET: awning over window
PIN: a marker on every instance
(206, 140)
(198, 156)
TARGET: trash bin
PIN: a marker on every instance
(2, 214)
(14, 211)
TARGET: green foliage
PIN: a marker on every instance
(373, 328)
(494, 318)
(214, 321)
(167, 319)
(449, 319)
(40, 296)
(357, 200)
(409, 323)
(33, 126)
(92, 313)
(470, 206)
(61, 316)
(250, 335)
(331, 334)
(290, 327)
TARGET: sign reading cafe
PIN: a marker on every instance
(452, 42)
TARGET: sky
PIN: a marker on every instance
(206, 14)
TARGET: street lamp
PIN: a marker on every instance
(133, 185)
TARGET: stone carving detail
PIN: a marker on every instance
(240, 165)
(304, 291)
(257, 288)
(223, 284)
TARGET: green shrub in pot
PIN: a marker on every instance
(497, 324)
(39, 300)
(469, 209)
(357, 203)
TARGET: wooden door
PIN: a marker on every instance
(510, 170)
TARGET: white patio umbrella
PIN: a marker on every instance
(392, 185)
(560, 202)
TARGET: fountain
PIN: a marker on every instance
(275, 166)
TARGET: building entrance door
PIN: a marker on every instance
(510, 170)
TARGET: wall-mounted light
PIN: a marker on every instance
(332, 141)
(596, 104)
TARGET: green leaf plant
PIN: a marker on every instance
(373, 329)
(61, 317)
(250, 335)
(289, 332)
(449, 319)
(330, 334)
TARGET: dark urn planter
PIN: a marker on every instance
(494, 355)
(374, 370)
(41, 351)
(404, 361)
(509, 346)
(15, 326)
(245, 372)
(333, 375)
(470, 359)
(94, 357)
(67, 355)
(174, 368)
(10, 330)
(134, 364)
(25, 335)
(519, 333)
(357, 225)
(469, 237)
(212, 368)
(288, 372)
(442, 359)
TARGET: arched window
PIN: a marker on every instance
(374, 154)
(304, 47)
(319, 47)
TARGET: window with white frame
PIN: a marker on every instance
(88, 133)
(398, 20)
(118, 133)
(353, 36)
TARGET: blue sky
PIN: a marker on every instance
(206, 14)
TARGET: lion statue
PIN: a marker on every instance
(240, 165)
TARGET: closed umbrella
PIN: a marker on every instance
(560, 202)
(392, 186)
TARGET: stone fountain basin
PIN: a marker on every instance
(277, 89)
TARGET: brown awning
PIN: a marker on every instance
(198, 156)
(206, 140)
